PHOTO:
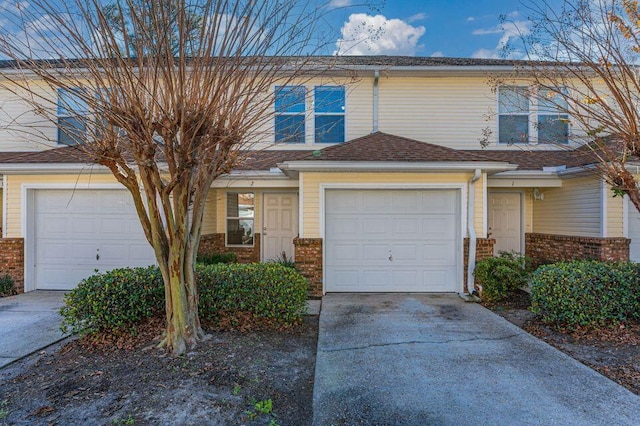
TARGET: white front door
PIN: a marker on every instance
(505, 221)
(79, 232)
(392, 240)
(280, 225)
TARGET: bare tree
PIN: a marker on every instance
(583, 60)
(171, 105)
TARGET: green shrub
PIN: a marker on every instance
(500, 276)
(6, 285)
(266, 291)
(215, 258)
(118, 300)
(113, 301)
(586, 293)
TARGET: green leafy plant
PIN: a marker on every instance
(264, 291)
(215, 258)
(4, 411)
(586, 293)
(284, 260)
(6, 285)
(236, 390)
(501, 276)
(118, 300)
(113, 301)
(264, 407)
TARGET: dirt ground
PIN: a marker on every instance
(258, 378)
(614, 352)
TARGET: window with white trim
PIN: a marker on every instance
(290, 107)
(329, 112)
(240, 218)
(73, 114)
(525, 118)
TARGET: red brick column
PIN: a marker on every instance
(484, 249)
(215, 243)
(549, 248)
(12, 261)
(308, 255)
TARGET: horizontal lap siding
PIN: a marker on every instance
(615, 214)
(575, 209)
(310, 184)
(445, 111)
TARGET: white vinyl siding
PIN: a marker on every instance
(574, 209)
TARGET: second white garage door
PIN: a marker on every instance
(77, 232)
(634, 232)
(392, 240)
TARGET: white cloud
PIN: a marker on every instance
(509, 31)
(438, 54)
(339, 3)
(417, 17)
(471, 18)
(365, 34)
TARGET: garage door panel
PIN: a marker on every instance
(73, 226)
(418, 228)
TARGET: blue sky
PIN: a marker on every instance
(454, 28)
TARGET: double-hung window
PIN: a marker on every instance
(290, 108)
(523, 118)
(329, 109)
(73, 114)
(240, 218)
(553, 122)
(513, 114)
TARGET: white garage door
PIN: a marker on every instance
(392, 240)
(80, 231)
(634, 233)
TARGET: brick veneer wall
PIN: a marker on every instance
(484, 249)
(12, 260)
(214, 243)
(549, 248)
(308, 255)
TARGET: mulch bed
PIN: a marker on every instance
(228, 379)
(614, 351)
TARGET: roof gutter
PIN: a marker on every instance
(49, 168)
(393, 166)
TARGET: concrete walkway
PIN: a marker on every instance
(28, 323)
(390, 359)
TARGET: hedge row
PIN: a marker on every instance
(119, 299)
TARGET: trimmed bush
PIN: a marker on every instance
(118, 300)
(500, 276)
(215, 258)
(266, 291)
(113, 301)
(586, 293)
(6, 285)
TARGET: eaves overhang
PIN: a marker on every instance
(525, 179)
(50, 168)
(292, 168)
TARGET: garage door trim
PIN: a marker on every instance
(462, 192)
(28, 192)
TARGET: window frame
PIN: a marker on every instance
(239, 218)
(277, 114)
(534, 114)
(65, 112)
(342, 114)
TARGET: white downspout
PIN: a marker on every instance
(376, 77)
(471, 262)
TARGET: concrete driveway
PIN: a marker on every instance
(390, 359)
(28, 323)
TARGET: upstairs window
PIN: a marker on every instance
(553, 123)
(73, 113)
(329, 112)
(523, 118)
(513, 115)
(290, 114)
(240, 218)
